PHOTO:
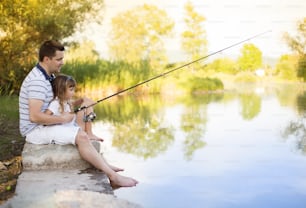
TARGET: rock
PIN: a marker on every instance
(65, 189)
(55, 176)
(91, 199)
(53, 156)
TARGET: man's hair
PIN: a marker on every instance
(49, 48)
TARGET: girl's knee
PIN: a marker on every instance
(87, 101)
(82, 136)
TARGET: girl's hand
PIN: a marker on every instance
(67, 117)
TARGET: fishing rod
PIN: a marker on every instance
(170, 71)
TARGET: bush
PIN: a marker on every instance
(247, 77)
(199, 84)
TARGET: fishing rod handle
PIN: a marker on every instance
(80, 108)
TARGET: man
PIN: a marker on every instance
(38, 127)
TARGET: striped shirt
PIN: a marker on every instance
(36, 85)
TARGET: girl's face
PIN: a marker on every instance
(70, 92)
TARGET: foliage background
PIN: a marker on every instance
(136, 44)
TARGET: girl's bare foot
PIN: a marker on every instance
(122, 181)
(96, 138)
(116, 169)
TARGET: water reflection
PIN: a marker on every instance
(297, 128)
(140, 127)
(193, 121)
(144, 138)
(250, 104)
(301, 103)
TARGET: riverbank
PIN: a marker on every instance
(55, 176)
(22, 182)
(11, 146)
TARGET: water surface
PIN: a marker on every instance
(242, 148)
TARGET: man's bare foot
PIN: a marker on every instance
(122, 181)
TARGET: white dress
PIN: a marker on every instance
(55, 108)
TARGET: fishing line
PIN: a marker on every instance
(170, 71)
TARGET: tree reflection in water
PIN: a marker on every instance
(140, 129)
(298, 128)
(143, 138)
(250, 104)
(194, 121)
(140, 126)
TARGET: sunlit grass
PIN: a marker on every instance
(103, 77)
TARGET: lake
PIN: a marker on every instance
(241, 148)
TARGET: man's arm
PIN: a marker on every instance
(36, 116)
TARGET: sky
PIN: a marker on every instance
(227, 23)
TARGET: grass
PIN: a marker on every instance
(100, 74)
(11, 142)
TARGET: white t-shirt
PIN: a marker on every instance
(55, 108)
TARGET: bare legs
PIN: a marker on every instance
(87, 126)
(89, 153)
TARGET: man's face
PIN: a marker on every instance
(55, 63)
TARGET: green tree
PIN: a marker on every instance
(286, 67)
(194, 41)
(250, 59)
(301, 72)
(25, 24)
(298, 43)
(224, 65)
(298, 46)
(82, 52)
(137, 34)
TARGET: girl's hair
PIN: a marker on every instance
(60, 85)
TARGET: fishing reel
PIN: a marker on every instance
(89, 117)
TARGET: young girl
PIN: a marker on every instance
(63, 91)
